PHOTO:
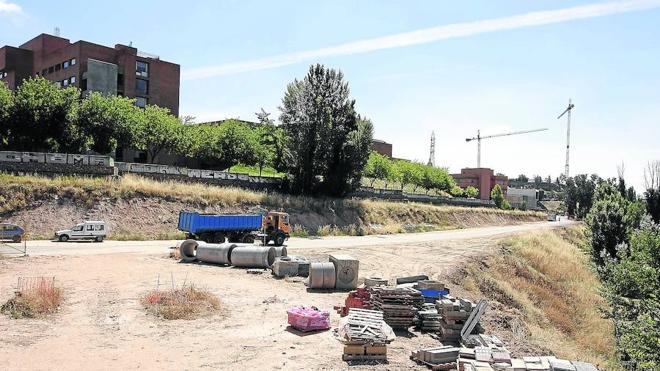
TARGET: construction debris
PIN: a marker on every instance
(360, 299)
(454, 313)
(308, 318)
(439, 358)
(346, 269)
(411, 279)
(365, 335)
(399, 305)
(428, 318)
(375, 281)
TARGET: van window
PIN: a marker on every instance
(78, 228)
(101, 227)
(90, 227)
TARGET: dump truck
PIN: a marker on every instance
(218, 228)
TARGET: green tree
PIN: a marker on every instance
(471, 192)
(457, 191)
(522, 178)
(610, 221)
(579, 194)
(108, 121)
(328, 145)
(498, 197)
(378, 167)
(6, 109)
(236, 143)
(157, 131)
(411, 173)
(43, 118)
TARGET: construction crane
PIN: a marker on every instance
(478, 138)
(568, 132)
(432, 152)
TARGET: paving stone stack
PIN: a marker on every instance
(365, 336)
(454, 313)
(399, 305)
(439, 358)
(428, 318)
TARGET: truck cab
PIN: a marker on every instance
(277, 227)
(88, 230)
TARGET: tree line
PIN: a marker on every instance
(39, 116)
(322, 144)
(624, 244)
(413, 174)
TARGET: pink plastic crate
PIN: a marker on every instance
(308, 318)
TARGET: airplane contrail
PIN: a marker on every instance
(425, 36)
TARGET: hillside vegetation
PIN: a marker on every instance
(139, 207)
(544, 297)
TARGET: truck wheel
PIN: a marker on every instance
(218, 237)
(16, 239)
(279, 239)
(63, 238)
(206, 237)
(99, 239)
(248, 238)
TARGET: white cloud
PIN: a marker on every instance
(10, 8)
(425, 36)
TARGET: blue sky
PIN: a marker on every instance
(238, 56)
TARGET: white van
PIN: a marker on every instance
(90, 230)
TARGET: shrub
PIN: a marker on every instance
(37, 298)
(187, 302)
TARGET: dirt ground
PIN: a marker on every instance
(101, 324)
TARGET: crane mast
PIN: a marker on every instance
(568, 132)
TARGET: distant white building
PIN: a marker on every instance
(523, 198)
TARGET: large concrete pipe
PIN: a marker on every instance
(251, 256)
(280, 251)
(322, 276)
(191, 250)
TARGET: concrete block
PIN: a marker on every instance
(561, 365)
(584, 366)
(346, 269)
(284, 268)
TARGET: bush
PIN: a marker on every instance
(187, 302)
(40, 297)
(471, 192)
(498, 197)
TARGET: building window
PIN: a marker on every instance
(44, 72)
(51, 69)
(141, 87)
(65, 82)
(65, 65)
(83, 84)
(73, 61)
(58, 67)
(141, 102)
(73, 79)
(120, 81)
(142, 69)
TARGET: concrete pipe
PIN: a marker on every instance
(217, 253)
(280, 251)
(192, 250)
(188, 250)
(250, 256)
(322, 276)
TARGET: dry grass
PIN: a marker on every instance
(36, 300)
(546, 278)
(187, 302)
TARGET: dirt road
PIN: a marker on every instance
(38, 248)
(102, 325)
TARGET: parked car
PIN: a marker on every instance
(9, 231)
(89, 230)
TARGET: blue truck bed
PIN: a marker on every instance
(193, 222)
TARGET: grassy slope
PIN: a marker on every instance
(309, 215)
(543, 296)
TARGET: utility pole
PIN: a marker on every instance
(568, 132)
(432, 152)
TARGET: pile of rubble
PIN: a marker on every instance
(365, 335)
(399, 305)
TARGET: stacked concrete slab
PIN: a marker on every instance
(454, 313)
(428, 318)
(399, 305)
(444, 355)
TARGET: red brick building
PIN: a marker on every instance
(122, 70)
(483, 179)
(382, 147)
